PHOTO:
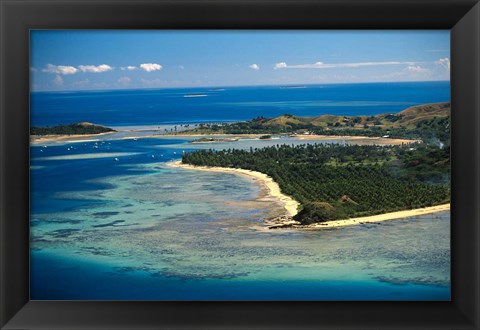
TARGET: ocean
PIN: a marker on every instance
(111, 220)
(170, 106)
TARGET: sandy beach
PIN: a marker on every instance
(380, 140)
(77, 138)
(273, 189)
(379, 217)
(38, 139)
(310, 137)
(291, 205)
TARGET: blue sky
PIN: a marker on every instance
(89, 60)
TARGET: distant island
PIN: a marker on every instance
(429, 122)
(83, 128)
(329, 182)
(211, 139)
(332, 181)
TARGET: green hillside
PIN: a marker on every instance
(72, 129)
(429, 122)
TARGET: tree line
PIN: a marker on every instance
(70, 129)
(335, 182)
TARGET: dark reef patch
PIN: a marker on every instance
(62, 233)
(110, 224)
(427, 280)
(196, 276)
(104, 215)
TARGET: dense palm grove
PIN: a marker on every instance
(428, 122)
(429, 130)
(336, 182)
(71, 129)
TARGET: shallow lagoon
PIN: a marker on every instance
(137, 229)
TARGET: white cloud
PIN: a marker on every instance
(281, 65)
(129, 68)
(416, 69)
(321, 65)
(124, 81)
(68, 69)
(254, 66)
(149, 67)
(95, 69)
(181, 67)
(58, 81)
(444, 62)
(33, 69)
(60, 69)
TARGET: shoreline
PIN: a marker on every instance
(291, 205)
(77, 138)
(38, 139)
(313, 137)
(383, 140)
(378, 217)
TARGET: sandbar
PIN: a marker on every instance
(290, 204)
(37, 139)
(370, 139)
(77, 138)
(379, 217)
(89, 156)
(313, 137)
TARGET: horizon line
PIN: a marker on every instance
(234, 86)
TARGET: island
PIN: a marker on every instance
(71, 129)
(427, 122)
(212, 139)
(63, 132)
(404, 164)
(335, 182)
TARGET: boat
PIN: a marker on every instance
(195, 95)
(293, 87)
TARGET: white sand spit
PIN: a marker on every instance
(273, 189)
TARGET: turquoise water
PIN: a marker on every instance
(137, 229)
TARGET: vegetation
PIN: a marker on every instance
(209, 139)
(430, 123)
(337, 182)
(77, 128)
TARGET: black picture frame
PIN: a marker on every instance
(17, 17)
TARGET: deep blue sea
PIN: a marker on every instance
(166, 106)
(111, 220)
